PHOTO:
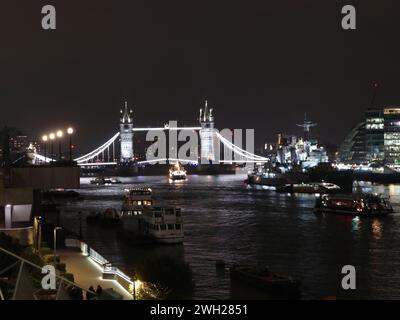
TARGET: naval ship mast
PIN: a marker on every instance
(306, 125)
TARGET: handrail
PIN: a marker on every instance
(39, 267)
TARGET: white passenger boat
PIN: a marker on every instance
(143, 222)
(163, 224)
(177, 172)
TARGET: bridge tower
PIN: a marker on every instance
(206, 120)
(126, 134)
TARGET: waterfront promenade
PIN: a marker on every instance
(87, 273)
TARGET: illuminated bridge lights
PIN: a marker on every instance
(246, 157)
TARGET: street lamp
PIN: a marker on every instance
(52, 136)
(59, 136)
(70, 131)
(55, 243)
(44, 139)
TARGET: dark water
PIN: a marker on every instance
(225, 220)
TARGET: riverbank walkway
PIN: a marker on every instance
(87, 272)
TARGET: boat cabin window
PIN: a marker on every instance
(170, 227)
(157, 214)
(178, 212)
(163, 227)
(178, 226)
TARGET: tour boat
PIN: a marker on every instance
(276, 285)
(144, 223)
(135, 200)
(177, 172)
(163, 224)
(314, 187)
(362, 205)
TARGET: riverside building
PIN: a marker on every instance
(376, 139)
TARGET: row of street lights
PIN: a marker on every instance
(51, 137)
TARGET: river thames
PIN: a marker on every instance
(225, 220)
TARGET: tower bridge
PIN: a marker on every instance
(210, 140)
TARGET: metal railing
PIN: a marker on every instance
(104, 264)
(21, 262)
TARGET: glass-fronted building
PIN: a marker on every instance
(392, 135)
(374, 135)
(353, 149)
(375, 139)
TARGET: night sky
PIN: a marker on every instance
(261, 64)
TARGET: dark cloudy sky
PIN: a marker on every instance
(261, 64)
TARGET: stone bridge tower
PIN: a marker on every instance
(126, 134)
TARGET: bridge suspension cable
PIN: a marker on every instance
(42, 158)
(99, 150)
(239, 151)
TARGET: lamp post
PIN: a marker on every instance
(55, 243)
(59, 136)
(70, 131)
(44, 139)
(52, 136)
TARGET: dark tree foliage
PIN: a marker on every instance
(173, 277)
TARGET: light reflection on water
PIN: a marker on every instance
(225, 220)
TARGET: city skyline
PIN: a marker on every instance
(260, 65)
(195, 156)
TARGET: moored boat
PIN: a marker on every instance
(110, 217)
(144, 223)
(278, 286)
(164, 224)
(313, 187)
(105, 181)
(274, 178)
(362, 205)
(135, 200)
